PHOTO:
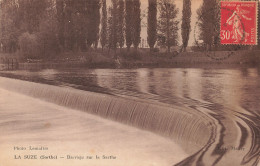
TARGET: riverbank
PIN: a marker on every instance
(136, 60)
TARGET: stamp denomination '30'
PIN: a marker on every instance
(239, 22)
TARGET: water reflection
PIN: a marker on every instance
(232, 87)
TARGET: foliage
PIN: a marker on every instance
(152, 23)
(185, 26)
(103, 37)
(128, 23)
(113, 25)
(121, 27)
(28, 45)
(8, 26)
(20, 23)
(136, 23)
(48, 42)
(30, 13)
(93, 17)
(110, 28)
(60, 21)
(167, 24)
(208, 17)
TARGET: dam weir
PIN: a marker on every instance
(211, 138)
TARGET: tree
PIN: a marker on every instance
(69, 25)
(9, 31)
(19, 17)
(60, 21)
(128, 23)
(136, 23)
(76, 23)
(110, 28)
(28, 45)
(167, 25)
(97, 23)
(93, 16)
(42, 41)
(48, 40)
(114, 24)
(121, 35)
(103, 37)
(185, 26)
(208, 16)
(152, 23)
(79, 25)
(31, 13)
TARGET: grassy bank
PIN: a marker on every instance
(133, 59)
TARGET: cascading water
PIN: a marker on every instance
(182, 126)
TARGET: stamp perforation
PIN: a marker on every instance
(255, 21)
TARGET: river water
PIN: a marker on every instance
(229, 97)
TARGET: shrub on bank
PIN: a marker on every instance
(28, 45)
(41, 44)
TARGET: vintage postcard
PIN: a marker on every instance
(129, 83)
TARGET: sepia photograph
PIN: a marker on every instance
(129, 83)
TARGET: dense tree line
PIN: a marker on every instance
(18, 17)
(43, 26)
(78, 22)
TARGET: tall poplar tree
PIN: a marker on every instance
(167, 24)
(128, 23)
(114, 14)
(185, 26)
(208, 16)
(121, 23)
(103, 36)
(60, 21)
(110, 29)
(113, 25)
(136, 23)
(93, 15)
(68, 24)
(152, 23)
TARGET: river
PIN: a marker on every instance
(228, 97)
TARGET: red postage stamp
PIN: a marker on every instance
(238, 22)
